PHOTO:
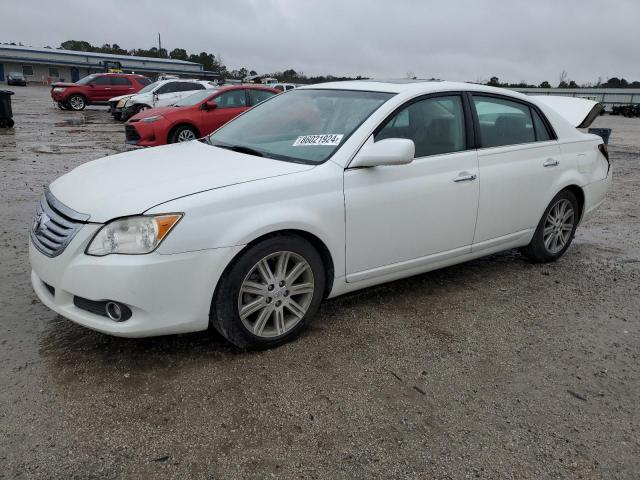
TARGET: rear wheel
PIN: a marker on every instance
(269, 294)
(183, 133)
(555, 230)
(76, 102)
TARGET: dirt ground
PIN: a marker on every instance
(492, 369)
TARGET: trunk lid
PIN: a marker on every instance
(579, 112)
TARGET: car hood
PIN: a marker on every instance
(154, 112)
(133, 182)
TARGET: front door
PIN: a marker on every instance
(398, 217)
(230, 104)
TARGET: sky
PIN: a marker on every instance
(465, 40)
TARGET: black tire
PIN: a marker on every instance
(179, 134)
(117, 116)
(225, 317)
(76, 102)
(537, 251)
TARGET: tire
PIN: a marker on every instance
(183, 133)
(76, 102)
(556, 229)
(253, 313)
(117, 116)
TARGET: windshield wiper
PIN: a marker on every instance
(241, 149)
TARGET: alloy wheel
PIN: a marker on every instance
(276, 294)
(76, 102)
(558, 226)
(186, 135)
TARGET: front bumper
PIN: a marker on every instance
(167, 294)
(146, 134)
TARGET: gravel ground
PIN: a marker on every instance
(496, 368)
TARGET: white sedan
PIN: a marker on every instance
(318, 192)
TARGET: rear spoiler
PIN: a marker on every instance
(579, 112)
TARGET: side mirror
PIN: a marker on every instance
(390, 151)
(210, 105)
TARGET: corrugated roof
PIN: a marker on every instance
(93, 54)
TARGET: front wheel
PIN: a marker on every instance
(555, 230)
(183, 133)
(76, 102)
(269, 294)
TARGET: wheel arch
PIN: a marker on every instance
(318, 244)
(182, 124)
(579, 194)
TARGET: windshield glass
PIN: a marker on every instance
(191, 100)
(149, 87)
(87, 79)
(306, 125)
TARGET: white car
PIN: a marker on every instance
(157, 94)
(310, 195)
(283, 87)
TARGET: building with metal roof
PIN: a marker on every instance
(46, 65)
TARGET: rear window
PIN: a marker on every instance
(120, 81)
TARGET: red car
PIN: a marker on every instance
(194, 116)
(96, 89)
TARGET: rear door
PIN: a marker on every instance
(519, 158)
(121, 86)
(258, 95)
(167, 94)
(188, 88)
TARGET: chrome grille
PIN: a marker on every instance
(54, 225)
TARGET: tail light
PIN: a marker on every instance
(605, 153)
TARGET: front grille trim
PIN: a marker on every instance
(55, 225)
(131, 133)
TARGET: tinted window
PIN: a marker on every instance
(542, 133)
(120, 81)
(503, 122)
(101, 81)
(257, 96)
(169, 88)
(231, 99)
(436, 125)
(289, 87)
(190, 86)
(27, 70)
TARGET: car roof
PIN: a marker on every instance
(412, 86)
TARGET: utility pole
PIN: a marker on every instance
(159, 45)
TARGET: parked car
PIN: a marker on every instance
(95, 89)
(16, 78)
(283, 87)
(322, 191)
(194, 116)
(158, 94)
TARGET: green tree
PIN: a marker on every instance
(545, 84)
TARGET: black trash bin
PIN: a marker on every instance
(6, 115)
(605, 133)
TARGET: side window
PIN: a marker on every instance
(436, 125)
(279, 87)
(190, 86)
(289, 87)
(120, 81)
(256, 96)
(168, 88)
(542, 133)
(143, 81)
(103, 80)
(232, 99)
(503, 122)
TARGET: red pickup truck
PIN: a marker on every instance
(96, 89)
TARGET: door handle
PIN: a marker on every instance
(467, 177)
(550, 162)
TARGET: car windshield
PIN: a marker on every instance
(87, 79)
(306, 125)
(16, 74)
(149, 87)
(195, 98)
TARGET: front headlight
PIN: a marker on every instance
(132, 235)
(121, 103)
(59, 89)
(155, 118)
